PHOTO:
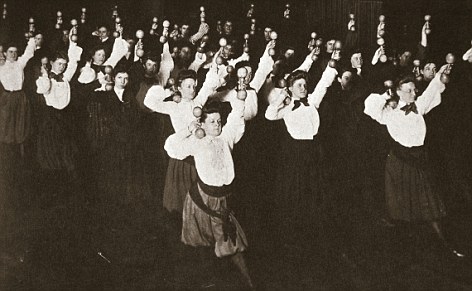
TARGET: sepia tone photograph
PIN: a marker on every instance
(236, 145)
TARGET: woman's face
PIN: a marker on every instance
(121, 80)
(59, 66)
(187, 88)
(99, 57)
(299, 89)
(212, 124)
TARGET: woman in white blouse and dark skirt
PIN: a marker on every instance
(408, 190)
(180, 173)
(207, 220)
(297, 182)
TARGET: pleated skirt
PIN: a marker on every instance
(14, 117)
(408, 190)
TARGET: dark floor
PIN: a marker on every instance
(55, 238)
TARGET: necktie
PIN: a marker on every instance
(57, 77)
(410, 108)
(297, 103)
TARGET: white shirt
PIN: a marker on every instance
(303, 122)
(119, 93)
(213, 159)
(408, 130)
(181, 114)
(11, 73)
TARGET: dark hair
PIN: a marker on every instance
(210, 107)
(296, 75)
(186, 74)
(403, 79)
(59, 55)
(242, 64)
(120, 69)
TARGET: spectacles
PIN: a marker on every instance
(409, 90)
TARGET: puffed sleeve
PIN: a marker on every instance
(154, 100)
(263, 69)
(325, 82)
(276, 109)
(234, 129)
(374, 106)
(28, 54)
(167, 65)
(180, 144)
(43, 84)
(431, 97)
(120, 48)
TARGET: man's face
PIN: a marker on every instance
(121, 80)
(102, 33)
(59, 66)
(345, 79)
(228, 27)
(150, 67)
(11, 54)
(227, 51)
(65, 35)
(429, 71)
(356, 60)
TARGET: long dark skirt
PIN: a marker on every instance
(56, 148)
(14, 117)
(180, 176)
(297, 187)
(408, 191)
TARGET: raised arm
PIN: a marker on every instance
(376, 109)
(234, 129)
(180, 144)
(431, 97)
(154, 100)
(74, 53)
(28, 54)
(277, 108)
(325, 82)
(167, 65)
(212, 81)
(263, 69)
(120, 48)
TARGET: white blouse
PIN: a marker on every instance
(251, 105)
(11, 73)
(57, 94)
(181, 114)
(213, 159)
(408, 130)
(303, 122)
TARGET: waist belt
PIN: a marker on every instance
(414, 156)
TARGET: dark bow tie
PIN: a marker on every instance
(98, 68)
(57, 77)
(410, 108)
(297, 103)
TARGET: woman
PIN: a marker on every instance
(207, 220)
(297, 180)
(180, 174)
(409, 194)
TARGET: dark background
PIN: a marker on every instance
(451, 19)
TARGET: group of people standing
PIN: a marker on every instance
(184, 122)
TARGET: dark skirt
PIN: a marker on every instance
(56, 148)
(408, 191)
(297, 185)
(180, 177)
(14, 117)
